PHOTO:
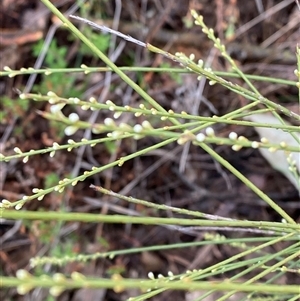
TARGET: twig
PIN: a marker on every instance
(109, 30)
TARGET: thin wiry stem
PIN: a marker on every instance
(109, 30)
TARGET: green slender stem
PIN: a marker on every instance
(104, 58)
(266, 271)
(87, 70)
(248, 183)
(65, 182)
(144, 220)
(236, 257)
(37, 261)
(120, 284)
(170, 114)
(295, 298)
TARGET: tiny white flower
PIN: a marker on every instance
(19, 206)
(255, 144)
(54, 109)
(210, 131)
(55, 145)
(200, 137)
(70, 130)
(17, 150)
(109, 122)
(233, 136)
(137, 128)
(73, 117)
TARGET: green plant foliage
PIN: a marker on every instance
(50, 180)
(12, 108)
(59, 82)
(175, 76)
(101, 41)
(111, 146)
(65, 249)
(257, 260)
(58, 129)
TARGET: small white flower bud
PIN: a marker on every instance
(73, 117)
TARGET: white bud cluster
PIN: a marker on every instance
(85, 68)
(185, 137)
(61, 185)
(5, 204)
(72, 129)
(71, 142)
(56, 108)
(111, 105)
